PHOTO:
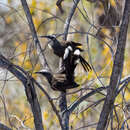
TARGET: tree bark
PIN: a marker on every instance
(4, 127)
(64, 112)
(117, 69)
(29, 89)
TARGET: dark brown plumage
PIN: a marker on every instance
(69, 51)
(58, 82)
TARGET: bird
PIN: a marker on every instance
(58, 82)
(69, 51)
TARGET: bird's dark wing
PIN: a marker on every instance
(58, 49)
(85, 64)
(76, 43)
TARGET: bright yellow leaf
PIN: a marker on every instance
(45, 115)
(113, 3)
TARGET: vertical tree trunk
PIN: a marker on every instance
(63, 111)
(117, 70)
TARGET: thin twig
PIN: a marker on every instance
(29, 89)
(4, 127)
(34, 35)
(68, 20)
(77, 102)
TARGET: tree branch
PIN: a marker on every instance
(68, 20)
(4, 127)
(51, 102)
(124, 82)
(117, 70)
(77, 102)
(29, 89)
(34, 35)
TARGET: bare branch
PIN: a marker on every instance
(77, 102)
(58, 3)
(34, 35)
(93, 105)
(4, 127)
(124, 83)
(51, 102)
(68, 20)
(29, 89)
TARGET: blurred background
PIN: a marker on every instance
(95, 24)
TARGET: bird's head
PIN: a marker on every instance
(55, 43)
(51, 37)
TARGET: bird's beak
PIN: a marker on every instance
(49, 37)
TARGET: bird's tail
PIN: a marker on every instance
(85, 64)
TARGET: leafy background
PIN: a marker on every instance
(17, 44)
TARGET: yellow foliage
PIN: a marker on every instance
(33, 6)
(36, 22)
(113, 3)
(74, 119)
(118, 99)
(16, 43)
(23, 47)
(100, 10)
(90, 74)
(45, 115)
(126, 69)
(41, 5)
(117, 29)
(9, 1)
(27, 64)
(45, 127)
(8, 20)
(20, 59)
(127, 95)
(73, 98)
(105, 51)
(105, 31)
(29, 122)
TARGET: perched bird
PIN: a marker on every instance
(69, 51)
(58, 82)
